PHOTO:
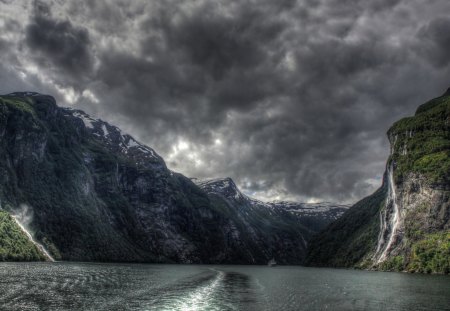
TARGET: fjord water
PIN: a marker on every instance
(84, 286)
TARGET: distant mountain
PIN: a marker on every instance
(276, 229)
(90, 192)
(314, 216)
(404, 225)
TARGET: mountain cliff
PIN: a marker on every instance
(89, 192)
(405, 225)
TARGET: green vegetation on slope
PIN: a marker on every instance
(18, 103)
(346, 241)
(422, 143)
(431, 254)
(14, 244)
(396, 263)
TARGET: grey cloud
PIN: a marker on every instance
(59, 44)
(220, 44)
(289, 98)
(436, 37)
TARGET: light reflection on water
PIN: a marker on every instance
(82, 286)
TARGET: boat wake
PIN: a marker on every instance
(200, 298)
(202, 293)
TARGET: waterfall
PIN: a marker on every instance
(391, 201)
(382, 231)
(22, 219)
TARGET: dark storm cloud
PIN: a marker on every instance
(220, 44)
(290, 98)
(216, 55)
(192, 72)
(436, 36)
(58, 44)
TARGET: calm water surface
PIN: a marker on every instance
(81, 286)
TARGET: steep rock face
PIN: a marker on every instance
(406, 224)
(97, 194)
(93, 193)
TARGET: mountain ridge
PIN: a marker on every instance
(97, 194)
(228, 188)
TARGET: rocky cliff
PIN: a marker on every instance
(90, 192)
(405, 225)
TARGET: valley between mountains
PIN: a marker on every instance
(82, 190)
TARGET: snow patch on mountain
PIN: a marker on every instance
(228, 189)
(114, 137)
(88, 121)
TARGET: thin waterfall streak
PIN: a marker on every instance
(395, 219)
(381, 234)
(30, 237)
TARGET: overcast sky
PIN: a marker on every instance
(292, 99)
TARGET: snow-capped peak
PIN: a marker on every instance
(223, 186)
(113, 137)
(87, 120)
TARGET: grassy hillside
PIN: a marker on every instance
(431, 254)
(422, 142)
(14, 244)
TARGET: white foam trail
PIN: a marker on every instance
(22, 219)
(395, 219)
(199, 298)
